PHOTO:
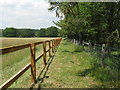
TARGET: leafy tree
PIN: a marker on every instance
(95, 21)
(47, 32)
(62, 33)
(25, 33)
(41, 32)
(1, 33)
(51, 32)
(9, 32)
(13, 32)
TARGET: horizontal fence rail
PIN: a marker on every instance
(53, 44)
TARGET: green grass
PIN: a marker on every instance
(115, 53)
(73, 67)
(66, 68)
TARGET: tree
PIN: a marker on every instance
(13, 32)
(41, 32)
(25, 32)
(88, 21)
(47, 32)
(9, 32)
(51, 32)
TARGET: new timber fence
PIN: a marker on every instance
(52, 46)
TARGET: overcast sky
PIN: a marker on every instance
(25, 14)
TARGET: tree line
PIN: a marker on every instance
(97, 22)
(43, 32)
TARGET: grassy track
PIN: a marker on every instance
(73, 67)
(66, 68)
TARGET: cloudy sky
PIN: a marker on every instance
(25, 14)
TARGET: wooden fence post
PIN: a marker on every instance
(103, 56)
(52, 47)
(49, 48)
(54, 44)
(33, 64)
(57, 42)
(90, 47)
(44, 52)
(74, 41)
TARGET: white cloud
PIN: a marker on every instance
(26, 13)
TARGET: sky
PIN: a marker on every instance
(26, 14)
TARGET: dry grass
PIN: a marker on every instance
(13, 62)
(7, 42)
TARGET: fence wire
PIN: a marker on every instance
(108, 59)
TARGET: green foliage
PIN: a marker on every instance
(9, 32)
(13, 32)
(62, 32)
(25, 33)
(51, 32)
(47, 32)
(94, 21)
(41, 32)
(0, 33)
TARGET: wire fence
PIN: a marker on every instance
(109, 56)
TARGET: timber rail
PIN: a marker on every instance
(53, 44)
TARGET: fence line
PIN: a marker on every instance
(103, 53)
(53, 44)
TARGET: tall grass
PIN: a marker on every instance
(13, 62)
(107, 75)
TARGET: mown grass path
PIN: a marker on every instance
(66, 67)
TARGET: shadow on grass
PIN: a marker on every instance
(107, 77)
(43, 73)
(85, 72)
(65, 43)
(66, 51)
(76, 49)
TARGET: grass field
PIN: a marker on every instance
(7, 42)
(71, 67)
(13, 62)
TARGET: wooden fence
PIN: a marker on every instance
(52, 46)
